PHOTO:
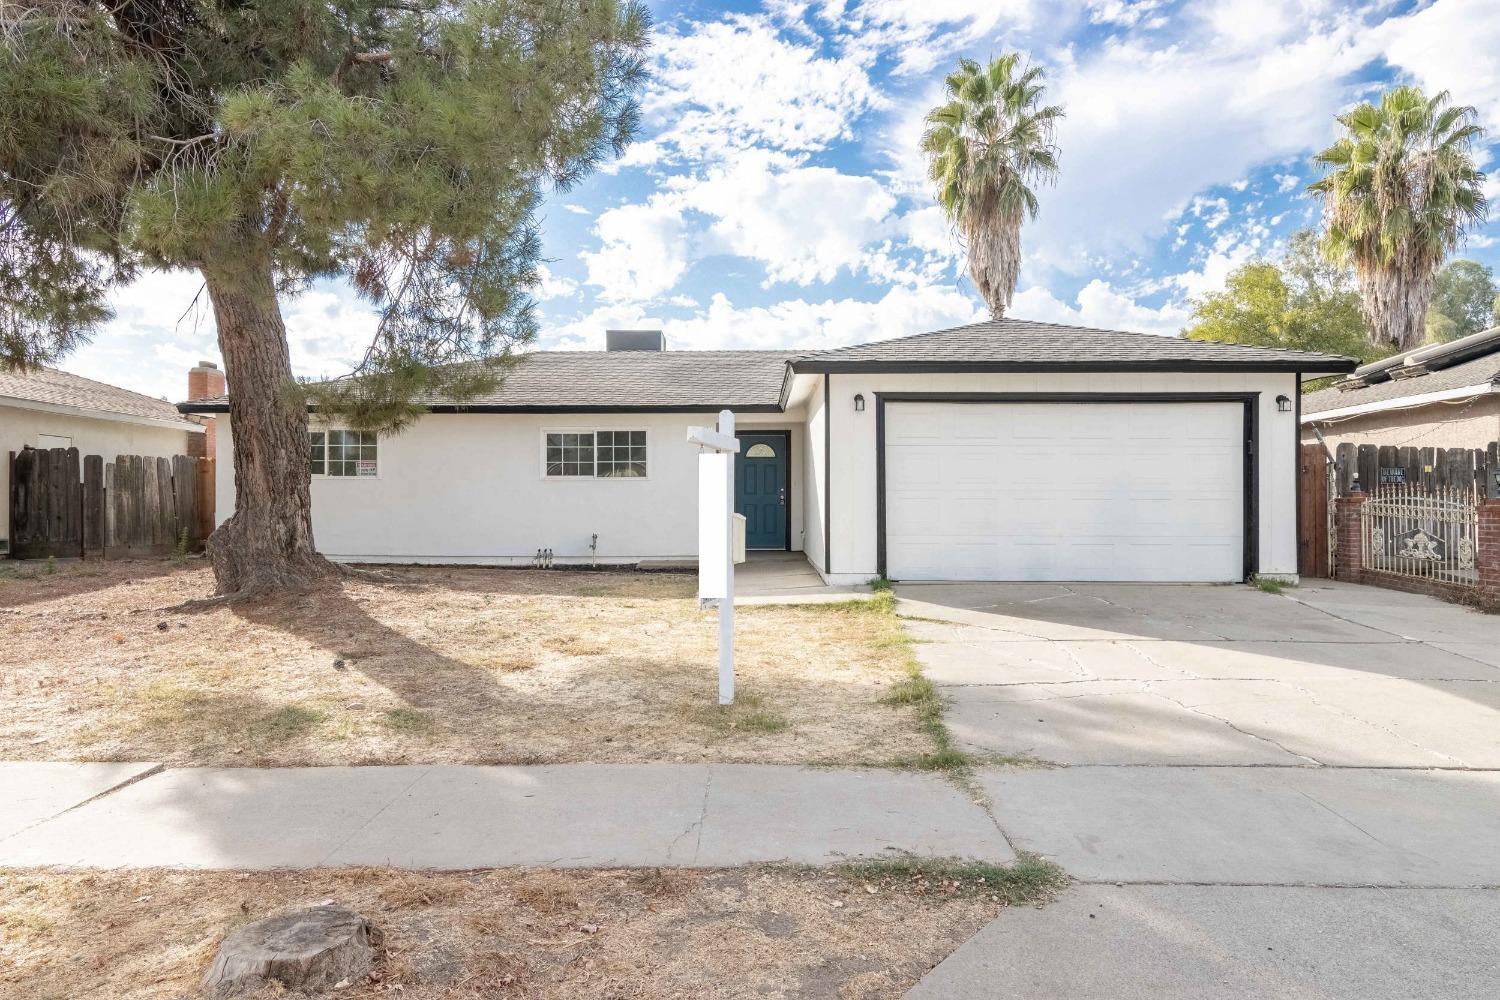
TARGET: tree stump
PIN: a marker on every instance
(308, 950)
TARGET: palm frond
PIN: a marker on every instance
(986, 147)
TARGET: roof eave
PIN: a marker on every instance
(1410, 401)
(1325, 365)
(209, 408)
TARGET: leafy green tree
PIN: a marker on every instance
(1401, 191)
(986, 145)
(1464, 296)
(1300, 301)
(402, 145)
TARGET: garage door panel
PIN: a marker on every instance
(1065, 491)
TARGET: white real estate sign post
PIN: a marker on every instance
(716, 451)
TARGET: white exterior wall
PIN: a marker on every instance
(21, 427)
(470, 488)
(852, 472)
(812, 464)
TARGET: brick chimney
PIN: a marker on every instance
(204, 382)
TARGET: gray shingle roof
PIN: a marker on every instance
(48, 385)
(645, 380)
(1478, 371)
(753, 380)
(1019, 344)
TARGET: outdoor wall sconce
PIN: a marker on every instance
(859, 402)
(1283, 404)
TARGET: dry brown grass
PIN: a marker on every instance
(510, 933)
(100, 661)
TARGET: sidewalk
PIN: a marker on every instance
(455, 817)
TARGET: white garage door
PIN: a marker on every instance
(1064, 491)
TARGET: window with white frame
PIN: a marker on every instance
(596, 454)
(344, 453)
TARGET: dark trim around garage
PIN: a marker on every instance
(1250, 521)
(827, 474)
(1297, 466)
(496, 408)
(814, 366)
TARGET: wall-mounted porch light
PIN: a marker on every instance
(859, 402)
(1283, 404)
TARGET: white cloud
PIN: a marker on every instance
(1124, 14)
(738, 83)
(644, 251)
(158, 333)
(793, 323)
(804, 224)
(1147, 128)
(1099, 305)
(553, 286)
(922, 34)
(1451, 45)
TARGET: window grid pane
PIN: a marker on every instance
(316, 445)
(352, 453)
(622, 454)
(570, 454)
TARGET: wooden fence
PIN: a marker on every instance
(1428, 468)
(1381, 468)
(133, 506)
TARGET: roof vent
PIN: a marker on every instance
(634, 340)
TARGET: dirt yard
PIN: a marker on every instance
(511, 933)
(101, 661)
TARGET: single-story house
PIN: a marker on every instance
(1443, 396)
(1003, 450)
(46, 408)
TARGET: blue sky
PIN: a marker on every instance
(776, 195)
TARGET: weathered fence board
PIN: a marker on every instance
(59, 506)
(93, 505)
(1374, 466)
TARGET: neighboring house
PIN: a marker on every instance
(1445, 396)
(47, 408)
(1006, 450)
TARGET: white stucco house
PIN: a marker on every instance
(1003, 450)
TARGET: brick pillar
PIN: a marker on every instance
(1488, 557)
(1350, 542)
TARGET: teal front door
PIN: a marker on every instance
(760, 489)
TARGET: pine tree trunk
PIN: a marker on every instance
(266, 546)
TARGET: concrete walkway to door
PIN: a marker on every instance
(768, 577)
(1262, 796)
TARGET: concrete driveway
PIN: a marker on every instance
(1327, 674)
(1231, 769)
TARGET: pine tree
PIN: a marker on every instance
(402, 145)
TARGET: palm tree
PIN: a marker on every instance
(984, 146)
(1401, 192)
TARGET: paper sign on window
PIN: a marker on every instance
(365, 467)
